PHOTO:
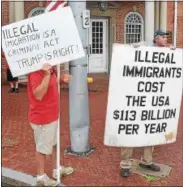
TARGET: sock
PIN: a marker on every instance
(39, 177)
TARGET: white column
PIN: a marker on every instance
(149, 21)
(157, 15)
(163, 15)
(11, 11)
(19, 10)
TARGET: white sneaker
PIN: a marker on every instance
(46, 181)
(63, 172)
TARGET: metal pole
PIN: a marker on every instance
(78, 92)
(58, 130)
(175, 24)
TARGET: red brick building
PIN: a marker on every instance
(121, 22)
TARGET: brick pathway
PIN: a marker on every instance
(102, 166)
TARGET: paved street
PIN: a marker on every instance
(101, 168)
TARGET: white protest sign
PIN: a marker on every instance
(145, 92)
(48, 38)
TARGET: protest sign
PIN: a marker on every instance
(144, 98)
(48, 38)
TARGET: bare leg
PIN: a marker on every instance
(16, 84)
(16, 87)
(11, 84)
(44, 180)
(64, 170)
(54, 157)
(40, 160)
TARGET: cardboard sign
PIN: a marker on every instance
(144, 98)
(48, 38)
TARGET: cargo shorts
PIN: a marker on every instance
(45, 137)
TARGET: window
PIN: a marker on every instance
(134, 28)
(36, 11)
(97, 37)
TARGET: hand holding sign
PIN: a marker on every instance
(66, 78)
(46, 68)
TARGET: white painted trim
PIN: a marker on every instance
(34, 10)
(19, 11)
(114, 32)
(11, 11)
(105, 41)
(107, 46)
(149, 21)
(163, 15)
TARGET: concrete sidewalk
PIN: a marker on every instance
(101, 168)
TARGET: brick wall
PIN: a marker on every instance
(5, 20)
(5, 12)
(126, 7)
(180, 25)
(170, 16)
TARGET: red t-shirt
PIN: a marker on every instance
(7, 66)
(47, 110)
(2, 54)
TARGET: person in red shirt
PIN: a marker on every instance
(43, 116)
(13, 81)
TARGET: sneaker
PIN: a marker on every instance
(63, 172)
(11, 90)
(125, 172)
(152, 167)
(46, 181)
(16, 90)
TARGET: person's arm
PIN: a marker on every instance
(65, 77)
(41, 90)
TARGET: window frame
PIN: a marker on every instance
(34, 10)
(142, 24)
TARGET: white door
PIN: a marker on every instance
(98, 40)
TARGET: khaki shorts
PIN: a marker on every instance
(45, 137)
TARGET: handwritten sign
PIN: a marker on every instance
(51, 37)
(144, 98)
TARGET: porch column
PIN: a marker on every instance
(11, 11)
(19, 10)
(149, 21)
(157, 15)
(163, 15)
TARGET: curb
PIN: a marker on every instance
(15, 178)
